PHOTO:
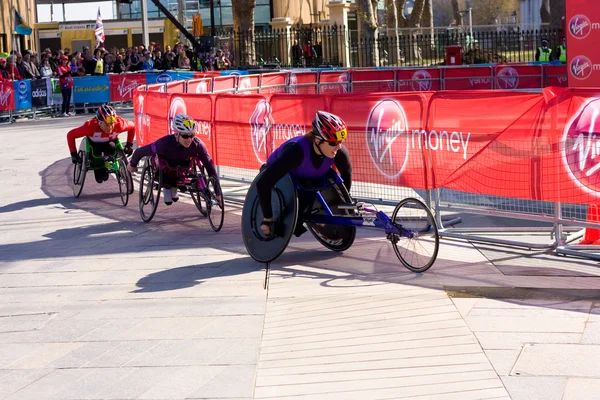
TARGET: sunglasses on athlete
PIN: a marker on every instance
(111, 119)
(187, 136)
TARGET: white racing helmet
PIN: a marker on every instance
(183, 124)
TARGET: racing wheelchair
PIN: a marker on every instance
(332, 216)
(157, 174)
(115, 164)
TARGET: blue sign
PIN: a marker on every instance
(234, 72)
(22, 94)
(91, 89)
(168, 76)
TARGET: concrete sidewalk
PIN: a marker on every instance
(96, 304)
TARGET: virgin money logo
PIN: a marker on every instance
(292, 84)
(163, 78)
(581, 67)
(244, 85)
(126, 89)
(343, 79)
(387, 137)
(580, 26)
(507, 78)
(202, 87)
(177, 107)
(581, 150)
(4, 96)
(421, 81)
(143, 119)
(261, 122)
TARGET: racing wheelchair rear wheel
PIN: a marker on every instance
(150, 186)
(417, 247)
(79, 172)
(334, 237)
(198, 196)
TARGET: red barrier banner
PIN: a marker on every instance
(123, 85)
(157, 87)
(274, 83)
(303, 82)
(224, 84)
(334, 82)
(242, 138)
(372, 81)
(248, 84)
(199, 107)
(555, 75)
(293, 115)
(519, 76)
(207, 74)
(203, 85)
(468, 78)
(175, 87)
(419, 80)
(7, 96)
(152, 113)
(583, 27)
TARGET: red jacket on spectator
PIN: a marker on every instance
(64, 74)
(13, 72)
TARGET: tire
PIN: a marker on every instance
(419, 252)
(150, 186)
(334, 237)
(79, 172)
(198, 195)
(216, 208)
(123, 181)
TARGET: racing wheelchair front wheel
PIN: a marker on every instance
(418, 244)
(334, 237)
(79, 172)
(123, 180)
(215, 207)
(198, 197)
(150, 186)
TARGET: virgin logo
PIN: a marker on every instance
(581, 150)
(177, 107)
(143, 119)
(126, 89)
(387, 137)
(507, 78)
(292, 85)
(343, 79)
(580, 26)
(421, 81)
(261, 122)
(581, 67)
(4, 96)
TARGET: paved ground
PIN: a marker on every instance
(95, 304)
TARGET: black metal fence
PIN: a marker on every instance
(330, 45)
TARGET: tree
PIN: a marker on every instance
(487, 12)
(444, 14)
(545, 11)
(366, 13)
(428, 21)
(243, 23)
(457, 15)
(557, 13)
(391, 22)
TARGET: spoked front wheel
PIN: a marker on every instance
(216, 205)
(200, 201)
(79, 171)
(418, 244)
(150, 184)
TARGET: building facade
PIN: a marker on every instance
(27, 10)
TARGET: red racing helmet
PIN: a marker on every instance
(329, 127)
(106, 114)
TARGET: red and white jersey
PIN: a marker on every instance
(91, 130)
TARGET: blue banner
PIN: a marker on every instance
(168, 76)
(234, 72)
(91, 89)
(22, 94)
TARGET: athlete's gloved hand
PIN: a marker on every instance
(75, 157)
(128, 149)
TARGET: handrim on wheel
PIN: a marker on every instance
(418, 246)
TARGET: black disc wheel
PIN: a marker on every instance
(150, 185)
(216, 205)
(334, 237)
(418, 244)
(79, 172)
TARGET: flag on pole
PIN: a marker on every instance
(99, 31)
(21, 27)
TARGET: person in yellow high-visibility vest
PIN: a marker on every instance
(561, 51)
(543, 53)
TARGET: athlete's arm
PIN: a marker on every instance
(344, 166)
(129, 127)
(291, 157)
(83, 130)
(206, 160)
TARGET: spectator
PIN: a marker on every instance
(169, 62)
(31, 71)
(543, 53)
(67, 51)
(109, 63)
(63, 71)
(19, 64)
(45, 68)
(158, 60)
(296, 54)
(221, 62)
(3, 72)
(184, 61)
(561, 51)
(119, 66)
(53, 60)
(99, 66)
(11, 68)
(148, 63)
(88, 64)
(134, 63)
(309, 53)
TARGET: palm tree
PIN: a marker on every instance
(243, 24)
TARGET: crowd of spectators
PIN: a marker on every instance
(100, 61)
